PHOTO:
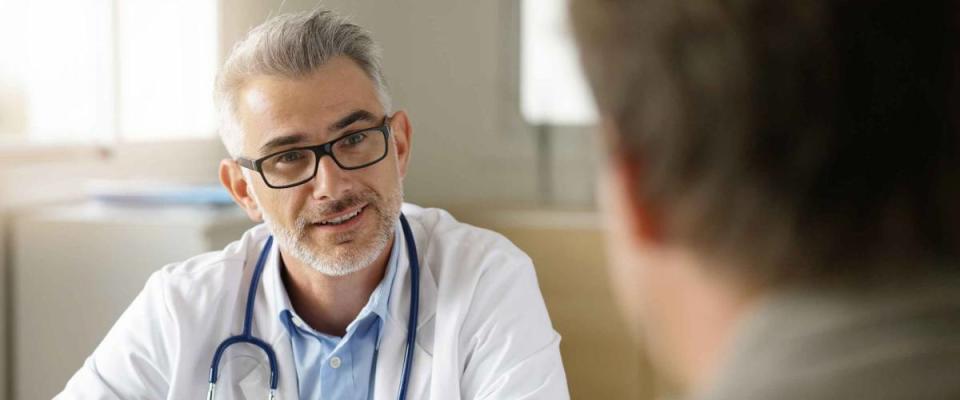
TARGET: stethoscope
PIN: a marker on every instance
(247, 336)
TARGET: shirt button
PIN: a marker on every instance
(335, 362)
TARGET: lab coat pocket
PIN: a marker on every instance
(243, 377)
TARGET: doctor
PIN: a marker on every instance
(344, 292)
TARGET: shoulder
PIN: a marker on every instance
(440, 235)
(463, 258)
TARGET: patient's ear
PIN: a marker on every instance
(231, 177)
(624, 184)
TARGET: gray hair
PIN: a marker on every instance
(292, 46)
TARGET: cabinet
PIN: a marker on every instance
(4, 293)
(76, 268)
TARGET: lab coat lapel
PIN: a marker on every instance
(393, 342)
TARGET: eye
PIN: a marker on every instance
(355, 139)
(290, 157)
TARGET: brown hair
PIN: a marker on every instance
(802, 140)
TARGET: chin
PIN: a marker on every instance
(342, 256)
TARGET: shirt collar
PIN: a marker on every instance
(377, 304)
(380, 298)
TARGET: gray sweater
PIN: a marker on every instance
(901, 342)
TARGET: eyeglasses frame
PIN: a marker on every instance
(320, 150)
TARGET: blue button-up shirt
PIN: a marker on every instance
(332, 367)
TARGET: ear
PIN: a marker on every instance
(231, 177)
(402, 132)
(624, 185)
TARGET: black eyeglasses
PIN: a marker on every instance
(292, 167)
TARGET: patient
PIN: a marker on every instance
(783, 191)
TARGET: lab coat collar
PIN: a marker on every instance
(393, 344)
(380, 298)
(275, 295)
(265, 324)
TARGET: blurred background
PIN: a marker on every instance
(109, 153)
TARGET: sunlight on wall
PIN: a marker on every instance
(97, 70)
(167, 66)
(553, 90)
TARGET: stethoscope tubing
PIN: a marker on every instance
(414, 307)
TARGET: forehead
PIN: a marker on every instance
(270, 106)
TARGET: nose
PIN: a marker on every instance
(331, 182)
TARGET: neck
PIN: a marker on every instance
(705, 329)
(330, 303)
(697, 329)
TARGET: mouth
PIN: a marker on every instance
(343, 220)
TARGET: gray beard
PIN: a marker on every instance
(296, 243)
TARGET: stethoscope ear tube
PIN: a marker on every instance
(414, 307)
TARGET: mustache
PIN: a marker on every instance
(317, 214)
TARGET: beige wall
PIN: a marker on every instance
(442, 60)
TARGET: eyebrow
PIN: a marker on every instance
(281, 141)
(357, 115)
(286, 140)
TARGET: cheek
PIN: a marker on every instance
(283, 205)
(384, 181)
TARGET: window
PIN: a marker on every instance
(553, 90)
(107, 70)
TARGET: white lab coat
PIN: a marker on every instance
(483, 330)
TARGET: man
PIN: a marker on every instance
(782, 183)
(320, 158)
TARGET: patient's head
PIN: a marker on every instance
(771, 144)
